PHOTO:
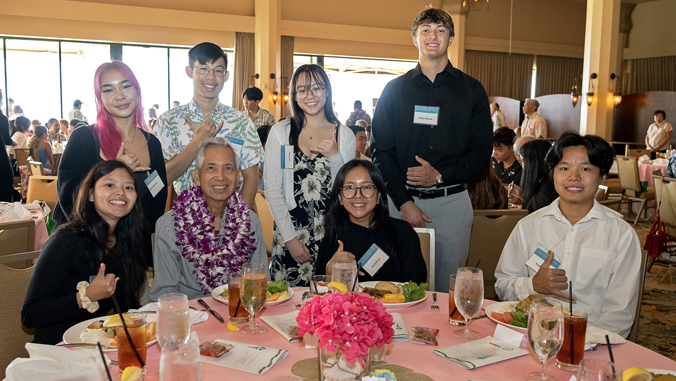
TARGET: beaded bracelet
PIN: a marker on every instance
(87, 304)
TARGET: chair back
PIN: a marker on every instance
(267, 221)
(43, 188)
(665, 194)
(638, 152)
(634, 327)
(627, 168)
(22, 155)
(601, 193)
(14, 334)
(490, 230)
(427, 238)
(16, 237)
(36, 168)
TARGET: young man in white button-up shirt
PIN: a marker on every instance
(597, 250)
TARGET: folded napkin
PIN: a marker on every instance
(16, 212)
(281, 324)
(661, 161)
(597, 335)
(400, 330)
(645, 159)
(195, 316)
(48, 362)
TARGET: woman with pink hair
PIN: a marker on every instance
(120, 133)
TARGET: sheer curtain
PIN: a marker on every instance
(501, 74)
(652, 74)
(286, 71)
(555, 75)
(245, 61)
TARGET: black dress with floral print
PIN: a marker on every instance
(311, 190)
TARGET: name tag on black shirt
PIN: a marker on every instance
(426, 115)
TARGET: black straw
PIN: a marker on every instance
(238, 303)
(126, 331)
(477, 263)
(105, 365)
(610, 350)
(354, 284)
(570, 331)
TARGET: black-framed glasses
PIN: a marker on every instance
(317, 91)
(203, 70)
(350, 191)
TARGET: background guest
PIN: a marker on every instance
(360, 142)
(19, 136)
(505, 165)
(358, 114)
(659, 133)
(486, 191)
(537, 189)
(251, 98)
(534, 124)
(55, 135)
(41, 149)
(76, 113)
(497, 116)
(101, 238)
(517, 148)
(6, 172)
(64, 128)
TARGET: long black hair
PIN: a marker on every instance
(21, 124)
(535, 175)
(130, 231)
(337, 219)
(298, 119)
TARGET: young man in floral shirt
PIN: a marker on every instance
(183, 129)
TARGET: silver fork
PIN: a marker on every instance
(434, 306)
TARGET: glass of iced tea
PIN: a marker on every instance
(237, 315)
(137, 331)
(454, 318)
(575, 328)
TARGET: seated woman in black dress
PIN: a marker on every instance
(537, 189)
(82, 262)
(358, 217)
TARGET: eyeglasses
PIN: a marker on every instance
(349, 191)
(316, 91)
(203, 70)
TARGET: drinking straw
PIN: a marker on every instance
(238, 303)
(126, 331)
(610, 352)
(570, 332)
(104, 362)
(354, 284)
(456, 307)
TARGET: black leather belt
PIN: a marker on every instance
(430, 194)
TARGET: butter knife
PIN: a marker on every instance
(216, 314)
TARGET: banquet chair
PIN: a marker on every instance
(36, 168)
(267, 221)
(22, 155)
(427, 238)
(17, 237)
(14, 283)
(628, 171)
(490, 230)
(634, 327)
(665, 194)
(43, 188)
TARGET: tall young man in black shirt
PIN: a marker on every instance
(431, 134)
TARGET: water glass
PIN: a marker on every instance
(253, 293)
(545, 334)
(236, 310)
(125, 350)
(598, 370)
(173, 319)
(181, 362)
(454, 315)
(345, 272)
(469, 297)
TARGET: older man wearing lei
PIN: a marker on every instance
(210, 232)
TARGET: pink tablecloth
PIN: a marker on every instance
(40, 236)
(645, 172)
(417, 357)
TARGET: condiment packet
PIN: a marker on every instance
(215, 349)
(424, 335)
(292, 330)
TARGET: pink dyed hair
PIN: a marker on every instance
(106, 130)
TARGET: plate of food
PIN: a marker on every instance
(102, 330)
(512, 314)
(662, 375)
(278, 292)
(395, 294)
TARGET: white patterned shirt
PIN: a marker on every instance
(174, 133)
(534, 125)
(601, 255)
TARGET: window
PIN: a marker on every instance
(79, 62)
(180, 85)
(149, 65)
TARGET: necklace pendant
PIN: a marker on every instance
(310, 137)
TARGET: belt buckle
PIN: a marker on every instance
(420, 194)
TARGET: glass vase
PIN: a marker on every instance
(333, 366)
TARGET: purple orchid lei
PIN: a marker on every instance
(200, 244)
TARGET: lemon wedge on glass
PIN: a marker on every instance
(636, 374)
(132, 373)
(231, 327)
(339, 286)
(115, 320)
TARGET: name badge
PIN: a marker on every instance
(154, 183)
(538, 258)
(91, 278)
(426, 115)
(373, 260)
(287, 157)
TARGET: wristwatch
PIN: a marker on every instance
(439, 178)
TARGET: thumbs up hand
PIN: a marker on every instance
(103, 286)
(329, 147)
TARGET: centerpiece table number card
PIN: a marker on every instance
(480, 352)
(247, 357)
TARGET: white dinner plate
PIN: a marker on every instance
(216, 294)
(372, 284)
(661, 371)
(72, 335)
(501, 308)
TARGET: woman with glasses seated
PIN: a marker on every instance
(315, 145)
(358, 218)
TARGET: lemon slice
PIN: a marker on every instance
(636, 374)
(339, 286)
(115, 320)
(231, 327)
(132, 373)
